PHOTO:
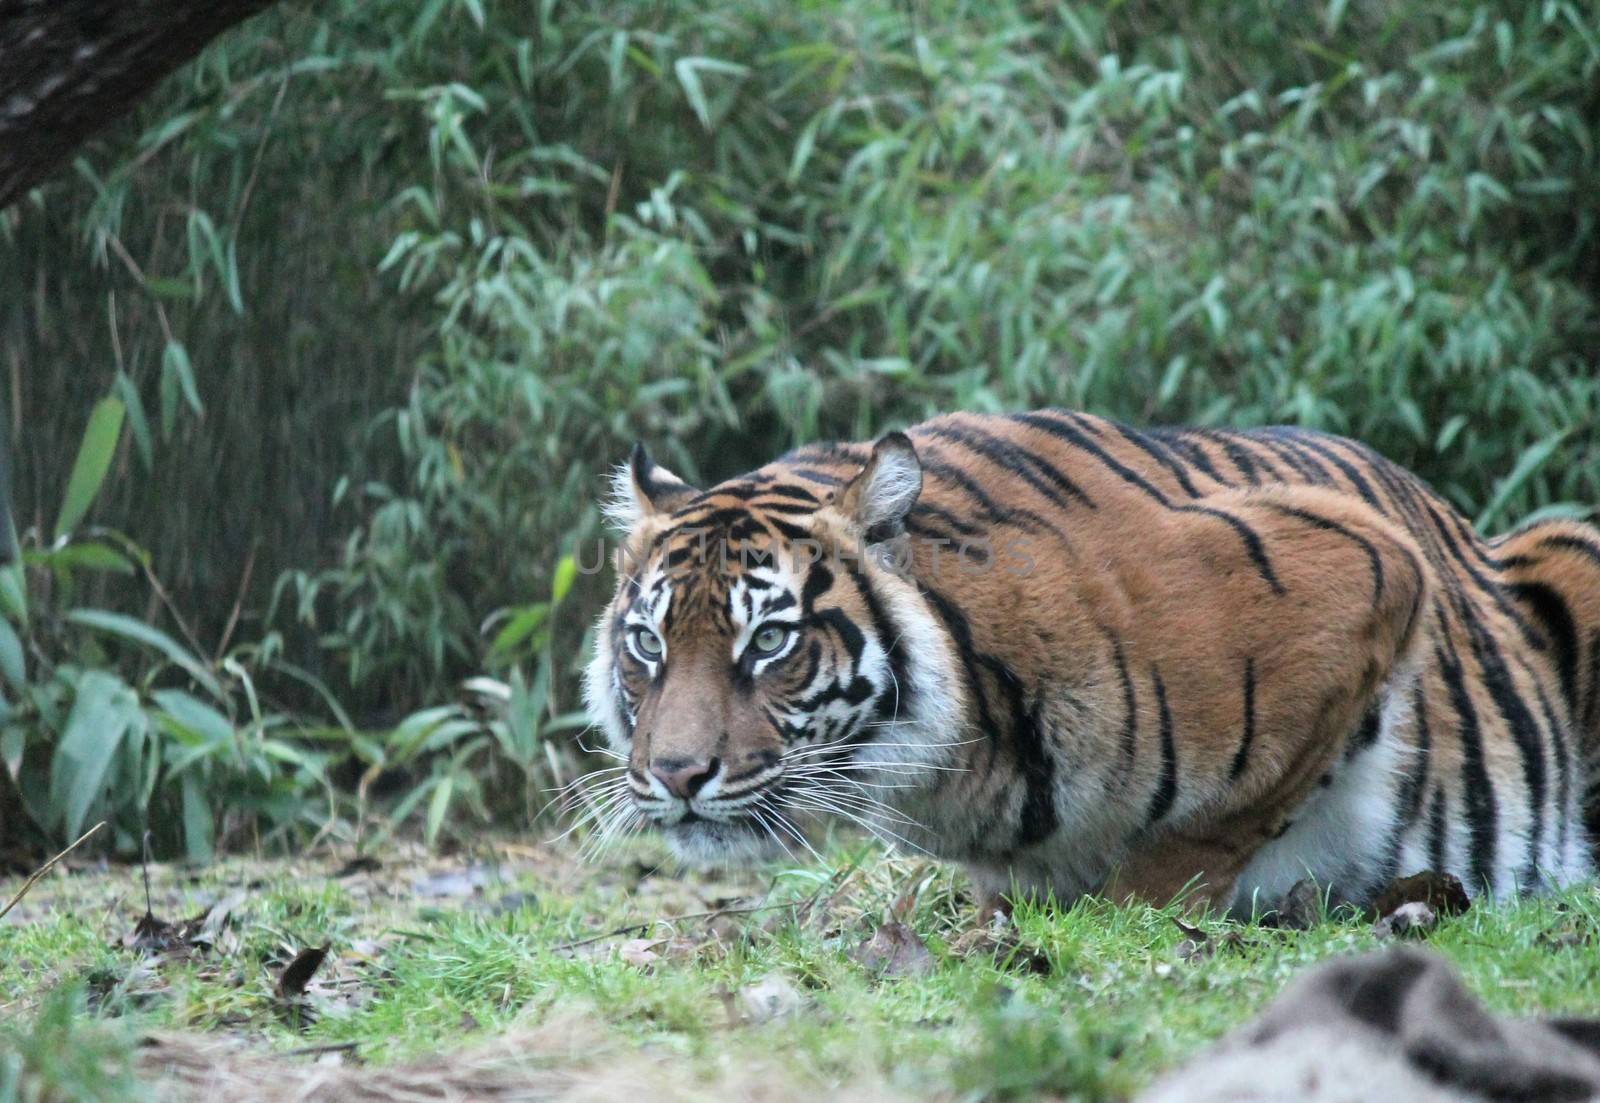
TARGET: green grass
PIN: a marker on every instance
(1092, 1002)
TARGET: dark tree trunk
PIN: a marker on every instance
(68, 67)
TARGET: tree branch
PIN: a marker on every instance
(68, 67)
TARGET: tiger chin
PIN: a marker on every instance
(1082, 658)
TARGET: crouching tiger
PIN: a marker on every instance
(1078, 657)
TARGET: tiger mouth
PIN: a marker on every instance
(699, 841)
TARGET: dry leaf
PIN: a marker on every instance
(206, 930)
(1443, 893)
(452, 882)
(1300, 910)
(894, 951)
(361, 863)
(1199, 944)
(1410, 920)
(150, 935)
(297, 974)
(1565, 937)
(641, 952)
(999, 940)
(771, 997)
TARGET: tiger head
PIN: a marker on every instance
(762, 653)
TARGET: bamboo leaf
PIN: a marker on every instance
(12, 664)
(566, 573)
(438, 805)
(1528, 464)
(519, 628)
(79, 770)
(137, 631)
(688, 70)
(194, 716)
(198, 825)
(99, 445)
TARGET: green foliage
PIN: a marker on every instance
(1091, 1002)
(383, 288)
(120, 733)
(63, 1056)
(152, 734)
(1027, 1051)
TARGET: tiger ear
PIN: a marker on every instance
(883, 492)
(641, 489)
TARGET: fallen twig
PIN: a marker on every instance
(751, 909)
(645, 925)
(46, 868)
(329, 1047)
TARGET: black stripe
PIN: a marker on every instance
(1436, 832)
(1553, 615)
(1252, 542)
(1308, 468)
(817, 583)
(1572, 542)
(1242, 756)
(786, 509)
(1161, 454)
(813, 660)
(955, 623)
(954, 476)
(1178, 437)
(1410, 796)
(1493, 590)
(1591, 708)
(1373, 558)
(1050, 423)
(792, 532)
(1411, 791)
(1476, 787)
(749, 489)
(958, 478)
(1366, 733)
(1167, 786)
(1037, 821)
(1037, 818)
(1037, 472)
(1240, 457)
(1415, 503)
(824, 452)
(936, 538)
(1308, 439)
(1563, 758)
(1251, 539)
(948, 519)
(889, 638)
(812, 474)
(1130, 703)
(790, 491)
(1524, 732)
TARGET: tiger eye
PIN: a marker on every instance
(770, 639)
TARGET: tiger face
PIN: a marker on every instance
(754, 658)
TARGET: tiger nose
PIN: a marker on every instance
(683, 777)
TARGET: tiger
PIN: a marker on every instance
(1081, 658)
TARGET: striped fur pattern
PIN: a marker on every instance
(1079, 657)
